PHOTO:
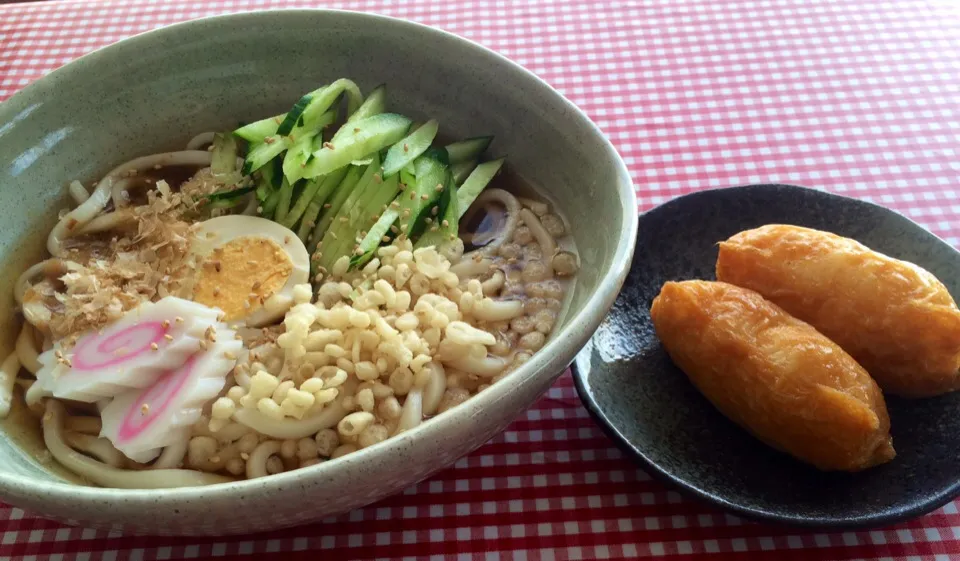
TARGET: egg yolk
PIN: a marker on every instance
(241, 274)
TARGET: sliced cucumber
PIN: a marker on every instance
(270, 205)
(224, 157)
(469, 149)
(375, 104)
(257, 131)
(338, 230)
(361, 216)
(357, 140)
(283, 205)
(374, 238)
(424, 193)
(476, 182)
(318, 187)
(306, 113)
(410, 148)
(462, 170)
(446, 227)
(230, 194)
(302, 146)
(260, 154)
(339, 199)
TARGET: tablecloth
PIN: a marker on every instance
(860, 97)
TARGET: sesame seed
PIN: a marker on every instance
(154, 346)
(166, 324)
(438, 188)
(424, 197)
(343, 219)
(377, 178)
(168, 337)
(229, 356)
(406, 148)
(385, 239)
(269, 140)
(216, 292)
(326, 205)
(178, 319)
(286, 239)
(445, 223)
(256, 286)
(356, 130)
(434, 210)
(328, 146)
(144, 409)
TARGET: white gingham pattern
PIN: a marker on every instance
(855, 96)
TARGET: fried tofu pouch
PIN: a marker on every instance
(774, 375)
(895, 318)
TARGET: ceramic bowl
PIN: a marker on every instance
(651, 409)
(153, 92)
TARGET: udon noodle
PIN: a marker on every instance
(364, 353)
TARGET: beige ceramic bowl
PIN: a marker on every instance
(154, 91)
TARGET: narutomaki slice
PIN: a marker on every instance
(140, 423)
(130, 353)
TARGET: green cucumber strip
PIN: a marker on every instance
(229, 195)
(447, 226)
(306, 113)
(374, 238)
(476, 182)
(375, 104)
(364, 213)
(311, 191)
(294, 114)
(302, 146)
(270, 205)
(462, 170)
(261, 153)
(352, 182)
(283, 205)
(357, 140)
(469, 149)
(256, 132)
(310, 216)
(224, 157)
(416, 200)
(408, 178)
(267, 184)
(410, 148)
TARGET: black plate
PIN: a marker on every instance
(650, 408)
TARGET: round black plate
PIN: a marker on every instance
(650, 408)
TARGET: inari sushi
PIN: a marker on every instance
(774, 375)
(895, 318)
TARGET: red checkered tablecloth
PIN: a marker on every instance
(856, 96)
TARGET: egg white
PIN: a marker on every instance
(219, 231)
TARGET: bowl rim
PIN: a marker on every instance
(571, 335)
(886, 517)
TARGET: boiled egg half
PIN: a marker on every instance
(247, 267)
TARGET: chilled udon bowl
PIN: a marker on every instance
(349, 289)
